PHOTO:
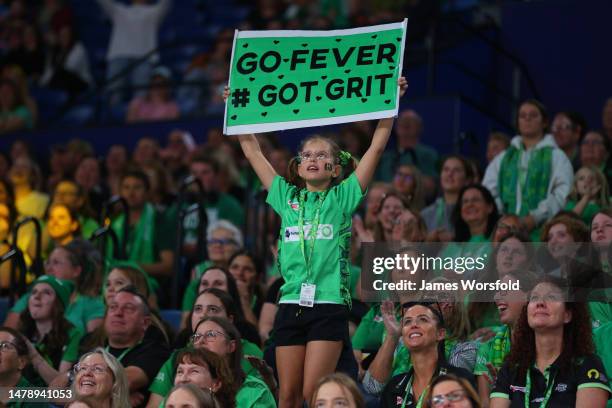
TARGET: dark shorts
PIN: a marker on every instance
(297, 325)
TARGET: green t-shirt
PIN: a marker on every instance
(369, 333)
(603, 345)
(88, 226)
(164, 380)
(21, 112)
(587, 214)
(80, 312)
(71, 349)
(191, 291)
(254, 393)
(601, 313)
(493, 351)
(329, 263)
(354, 271)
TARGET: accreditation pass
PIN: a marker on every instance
(307, 294)
(10, 395)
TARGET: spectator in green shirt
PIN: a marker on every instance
(13, 360)
(223, 240)
(149, 238)
(14, 114)
(79, 262)
(219, 206)
(221, 337)
(43, 323)
(72, 195)
(474, 219)
(209, 372)
(492, 354)
(590, 193)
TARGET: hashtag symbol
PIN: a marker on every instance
(240, 97)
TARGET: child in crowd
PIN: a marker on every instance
(590, 193)
(315, 204)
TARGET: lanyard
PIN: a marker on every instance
(419, 403)
(550, 382)
(124, 352)
(408, 390)
(314, 226)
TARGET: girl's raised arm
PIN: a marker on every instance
(367, 166)
(261, 165)
(252, 151)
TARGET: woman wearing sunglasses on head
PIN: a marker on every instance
(423, 334)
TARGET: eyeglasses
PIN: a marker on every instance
(454, 396)
(319, 156)
(96, 369)
(221, 242)
(6, 346)
(210, 335)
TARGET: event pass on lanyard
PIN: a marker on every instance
(307, 294)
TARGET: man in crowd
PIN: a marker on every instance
(126, 322)
(409, 150)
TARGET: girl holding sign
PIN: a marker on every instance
(315, 204)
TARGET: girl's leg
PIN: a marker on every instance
(290, 368)
(321, 359)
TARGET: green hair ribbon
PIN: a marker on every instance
(344, 157)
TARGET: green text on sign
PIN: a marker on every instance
(291, 79)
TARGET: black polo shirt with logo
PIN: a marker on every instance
(396, 391)
(586, 372)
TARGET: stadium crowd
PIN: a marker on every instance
(91, 319)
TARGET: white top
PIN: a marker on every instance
(561, 179)
(134, 27)
(76, 62)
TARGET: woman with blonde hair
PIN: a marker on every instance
(189, 395)
(101, 378)
(590, 193)
(408, 182)
(336, 389)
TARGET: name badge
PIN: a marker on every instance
(307, 294)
